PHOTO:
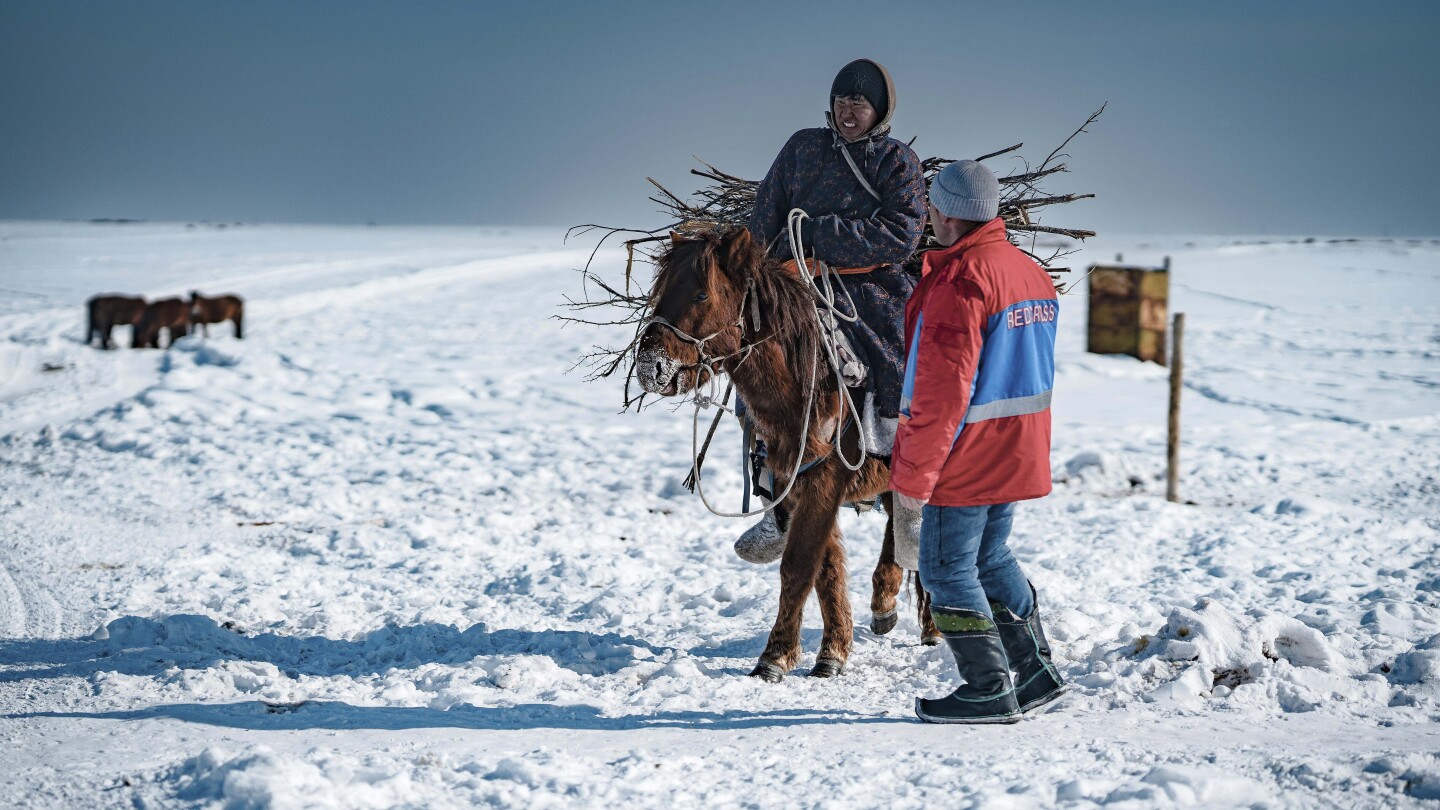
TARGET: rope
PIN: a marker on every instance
(827, 315)
(859, 175)
(799, 454)
(700, 459)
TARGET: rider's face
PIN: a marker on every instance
(853, 116)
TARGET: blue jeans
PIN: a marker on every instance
(964, 561)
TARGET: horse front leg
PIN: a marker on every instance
(887, 578)
(812, 522)
(835, 607)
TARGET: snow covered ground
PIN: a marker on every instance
(386, 551)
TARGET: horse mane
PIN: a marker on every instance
(786, 302)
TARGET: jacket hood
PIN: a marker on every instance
(882, 126)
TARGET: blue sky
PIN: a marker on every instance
(1287, 117)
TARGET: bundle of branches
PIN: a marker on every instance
(727, 200)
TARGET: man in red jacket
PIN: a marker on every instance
(974, 438)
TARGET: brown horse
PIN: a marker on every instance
(219, 309)
(171, 314)
(108, 311)
(709, 293)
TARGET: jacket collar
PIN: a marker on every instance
(992, 231)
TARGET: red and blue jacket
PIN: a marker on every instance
(975, 403)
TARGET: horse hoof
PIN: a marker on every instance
(882, 623)
(768, 672)
(827, 668)
(930, 641)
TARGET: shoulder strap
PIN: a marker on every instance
(845, 150)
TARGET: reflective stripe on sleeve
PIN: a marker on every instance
(999, 409)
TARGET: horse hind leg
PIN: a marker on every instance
(834, 598)
(929, 633)
(887, 578)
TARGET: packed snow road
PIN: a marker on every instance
(386, 551)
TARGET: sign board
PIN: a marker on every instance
(1128, 310)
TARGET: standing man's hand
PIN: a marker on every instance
(907, 502)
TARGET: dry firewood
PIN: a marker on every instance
(727, 200)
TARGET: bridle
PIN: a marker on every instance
(826, 314)
(704, 360)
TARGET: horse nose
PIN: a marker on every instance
(654, 369)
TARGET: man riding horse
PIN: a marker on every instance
(864, 194)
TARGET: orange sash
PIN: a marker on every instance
(791, 267)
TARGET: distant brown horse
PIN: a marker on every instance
(700, 307)
(219, 309)
(108, 311)
(170, 314)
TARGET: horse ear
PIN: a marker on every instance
(738, 247)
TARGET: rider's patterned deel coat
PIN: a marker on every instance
(853, 229)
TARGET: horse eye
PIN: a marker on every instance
(702, 296)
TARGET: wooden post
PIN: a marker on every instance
(1177, 372)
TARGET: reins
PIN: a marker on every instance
(706, 362)
(827, 316)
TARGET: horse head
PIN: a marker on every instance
(695, 310)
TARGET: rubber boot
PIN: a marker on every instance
(765, 541)
(1037, 681)
(987, 695)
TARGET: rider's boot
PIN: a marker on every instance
(765, 541)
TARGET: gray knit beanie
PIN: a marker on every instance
(966, 190)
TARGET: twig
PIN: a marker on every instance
(728, 200)
(1066, 142)
(1007, 150)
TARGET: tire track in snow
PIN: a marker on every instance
(408, 285)
(13, 615)
(26, 607)
(1211, 393)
